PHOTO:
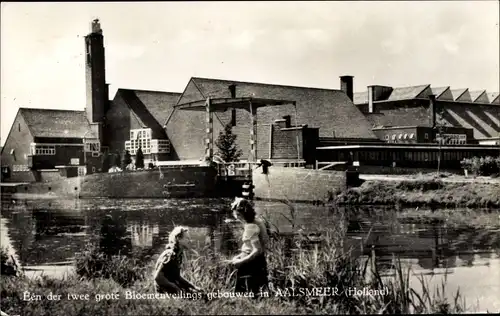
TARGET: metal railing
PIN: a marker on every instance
(235, 169)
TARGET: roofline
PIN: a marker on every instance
(228, 101)
(143, 90)
(12, 127)
(479, 95)
(461, 94)
(265, 84)
(449, 101)
(394, 127)
(445, 89)
(409, 146)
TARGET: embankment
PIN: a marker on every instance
(297, 184)
(428, 192)
(169, 183)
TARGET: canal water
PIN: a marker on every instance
(45, 235)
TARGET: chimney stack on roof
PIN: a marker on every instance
(96, 27)
(346, 85)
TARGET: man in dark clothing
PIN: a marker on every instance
(265, 164)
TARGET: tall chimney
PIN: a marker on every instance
(432, 108)
(370, 99)
(346, 85)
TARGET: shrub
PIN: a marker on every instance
(483, 166)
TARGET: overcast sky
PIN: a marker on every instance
(160, 45)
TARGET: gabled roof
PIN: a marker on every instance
(457, 93)
(330, 110)
(406, 93)
(478, 96)
(57, 123)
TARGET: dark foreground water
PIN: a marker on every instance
(45, 235)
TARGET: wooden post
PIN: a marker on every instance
(209, 148)
(253, 132)
(271, 141)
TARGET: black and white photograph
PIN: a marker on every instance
(250, 158)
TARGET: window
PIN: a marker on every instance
(45, 150)
(95, 154)
(386, 137)
(394, 137)
(12, 151)
(19, 127)
(75, 161)
(426, 136)
(412, 136)
(233, 117)
(92, 146)
(20, 168)
(400, 136)
(406, 136)
(143, 138)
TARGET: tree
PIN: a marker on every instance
(139, 159)
(126, 159)
(226, 143)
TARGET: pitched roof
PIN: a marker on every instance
(330, 110)
(494, 97)
(478, 96)
(159, 103)
(457, 93)
(57, 123)
(438, 91)
(406, 93)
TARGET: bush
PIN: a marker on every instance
(482, 166)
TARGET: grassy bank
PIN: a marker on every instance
(422, 192)
(303, 268)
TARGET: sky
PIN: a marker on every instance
(160, 45)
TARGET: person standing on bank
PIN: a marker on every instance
(167, 273)
(251, 262)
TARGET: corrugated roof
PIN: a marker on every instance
(330, 110)
(57, 123)
(406, 93)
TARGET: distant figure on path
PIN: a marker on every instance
(168, 266)
(251, 262)
(265, 164)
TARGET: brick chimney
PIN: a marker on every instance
(346, 85)
(432, 108)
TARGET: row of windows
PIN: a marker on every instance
(20, 168)
(137, 134)
(401, 156)
(42, 149)
(401, 136)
